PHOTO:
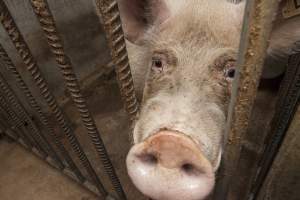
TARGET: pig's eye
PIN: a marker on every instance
(158, 64)
(229, 70)
(229, 73)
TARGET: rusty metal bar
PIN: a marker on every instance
(47, 23)
(5, 124)
(110, 17)
(26, 55)
(4, 121)
(7, 116)
(32, 102)
(273, 180)
(8, 94)
(287, 104)
(14, 119)
(11, 133)
(254, 42)
(11, 136)
(89, 186)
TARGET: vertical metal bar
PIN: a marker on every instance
(15, 119)
(254, 42)
(25, 53)
(4, 128)
(40, 138)
(5, 125)
(32, 102)
(288, 105)
(11, 135)
(282, 166)
(113, 27)
(7, 116)
(47, 23)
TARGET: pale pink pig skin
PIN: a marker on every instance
(182, 55)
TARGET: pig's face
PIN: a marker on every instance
(183, 65)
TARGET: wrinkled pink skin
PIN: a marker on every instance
(179, 133)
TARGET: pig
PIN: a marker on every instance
(183, 54)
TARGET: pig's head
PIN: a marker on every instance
(182, 55)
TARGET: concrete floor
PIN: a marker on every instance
(23, 176)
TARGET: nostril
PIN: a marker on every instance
(189, 169)
(148, 159)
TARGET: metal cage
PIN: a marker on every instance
(17, 122)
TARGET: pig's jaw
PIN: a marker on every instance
(170, 166)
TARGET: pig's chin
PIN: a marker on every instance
(170, 166)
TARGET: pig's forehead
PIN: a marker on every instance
(214, 7)
(201, 21)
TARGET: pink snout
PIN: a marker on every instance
(170, 166)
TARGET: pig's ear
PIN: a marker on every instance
(138, 15)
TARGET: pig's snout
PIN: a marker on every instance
(170, 166)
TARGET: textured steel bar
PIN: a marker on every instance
(46, 20)
(32, 102)
(5, 126)
(15, 119)
(282, 179)
(110, 17)
(89, 186)
(12, 137)
(3, 122)
(286, 83)
(25, 53)
(20, 123)
(38, 136)
(8, 116)
(254, 42)
(288, 102)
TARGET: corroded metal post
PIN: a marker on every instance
(7, 96)
(32, 102)
(47, 22)
(282, 133)
(254, 42)
(110, 17)
(26, 55)
(9, 120)
(19, 122)
(283, 165)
